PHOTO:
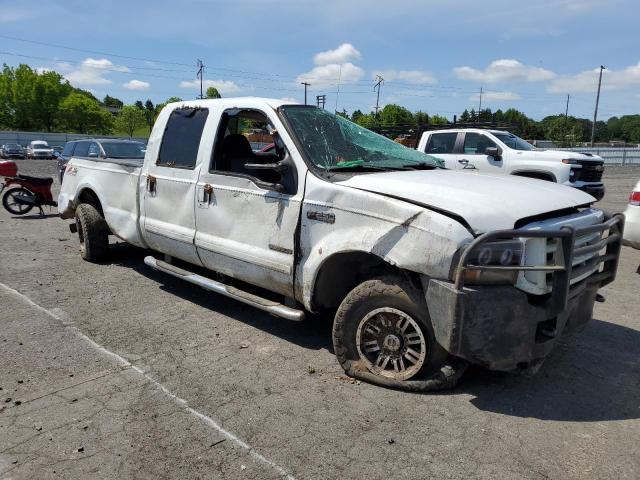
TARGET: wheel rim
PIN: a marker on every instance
(391, 343)
(14, 205)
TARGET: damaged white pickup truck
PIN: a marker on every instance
(427, 269)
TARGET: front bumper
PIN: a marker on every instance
(503, 328)
(596, 191)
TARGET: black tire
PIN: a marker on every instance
(93, 233)
(394, 293)
(9, 204)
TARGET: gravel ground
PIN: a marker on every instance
(116, 371)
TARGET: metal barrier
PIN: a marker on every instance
(53, 139)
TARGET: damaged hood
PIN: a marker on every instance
(485, 202)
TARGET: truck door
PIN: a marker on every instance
(473, 156)
(443, 145)
(170, 185)
(246, 218)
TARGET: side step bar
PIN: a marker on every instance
(269, 306)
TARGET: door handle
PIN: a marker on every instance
(151, 183)
(463, 162)
(208, 190)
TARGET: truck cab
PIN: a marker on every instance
(498, 152)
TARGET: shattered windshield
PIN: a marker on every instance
(332, 142)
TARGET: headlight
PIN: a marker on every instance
(494, 254)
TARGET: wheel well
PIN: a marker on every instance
(538, 175)
(89, 196)
(341, 272)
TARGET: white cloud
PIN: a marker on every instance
(223, 86)
(136, 85)
(289, 99)
(504, 70)
(42, 70)
(415, 77)
(343, 54)
(490, 96)
(91, 71)
(326, 75)
(587, 81)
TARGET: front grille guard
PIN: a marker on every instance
(562, 274)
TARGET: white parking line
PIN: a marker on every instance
(180, 402)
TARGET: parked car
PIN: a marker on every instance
(632, 216)
(499, 152)
(39, 149)
(425, 269)
(13, 150)
(99, 148)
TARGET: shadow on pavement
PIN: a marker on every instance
(36, 216)
(592, 376)
(314, 333)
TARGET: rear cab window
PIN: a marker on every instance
(181, 138)
(68, 149)
(442, 143)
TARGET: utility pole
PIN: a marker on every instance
(377, 86)
(321, 100)
(480, 105)
(200, 75)
(305, 91)
(595, 113)
(566, 123)
(338, 91)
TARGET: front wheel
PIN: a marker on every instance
(13, 205)
(383, 327)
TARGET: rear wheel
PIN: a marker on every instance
(93, 233)
(383, 326)
(12, 205)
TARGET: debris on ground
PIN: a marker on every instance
(346, 379)
(311, 370)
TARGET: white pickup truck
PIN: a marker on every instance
(39, 149)
(498, 152)
(425, 268)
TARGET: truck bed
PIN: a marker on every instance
(115, 182)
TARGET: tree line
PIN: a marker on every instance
(32, 100)
(35, 100)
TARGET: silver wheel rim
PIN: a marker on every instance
(391, 343)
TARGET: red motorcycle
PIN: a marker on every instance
(24, 192)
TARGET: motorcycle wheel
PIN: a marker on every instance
(12, 205)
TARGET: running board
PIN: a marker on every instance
(269, 306)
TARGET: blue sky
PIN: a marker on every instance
(434, 55)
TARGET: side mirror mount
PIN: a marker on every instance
(495, 152)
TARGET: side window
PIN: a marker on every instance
(82, 149)
(94, 150)
(68, 149)
(181, 138)
(476, 143)
(442, 142)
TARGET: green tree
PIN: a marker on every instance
(212, 92)
(25, 108)
(149, 113)
(356, 115)
(79, 113)
(49, 90)
(465, 117)
(367, 121)
(7, 107)
(421, 117)
(438, 120)
(393, 114)
(130, 119)
(113, 102)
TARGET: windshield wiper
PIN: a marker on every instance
(420, 166)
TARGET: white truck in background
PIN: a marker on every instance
(39, 149)
(423, 269)
(498, 152)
